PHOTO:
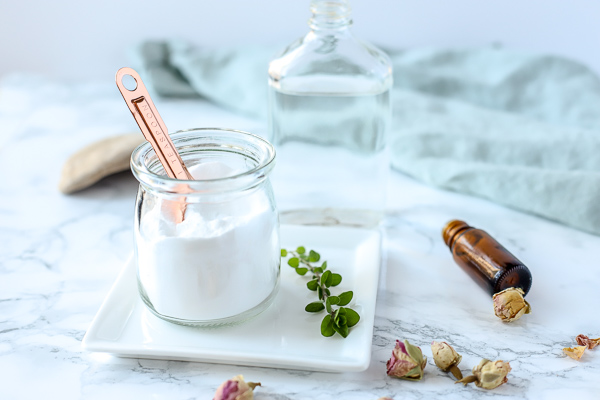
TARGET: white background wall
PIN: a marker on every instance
(81, 39)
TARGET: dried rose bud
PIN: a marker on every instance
(446, 358)
(575, 352)
(407, 362)
(509, 304)
(586, 341)
(236, 389)
(488, 374)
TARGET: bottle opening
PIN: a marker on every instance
(451, 229)
(330, 14)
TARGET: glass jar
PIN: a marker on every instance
(329, 116)
(221, 263)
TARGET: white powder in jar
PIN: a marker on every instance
(222, 260)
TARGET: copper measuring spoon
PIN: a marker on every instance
(154, 130)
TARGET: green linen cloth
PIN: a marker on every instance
(518, 129)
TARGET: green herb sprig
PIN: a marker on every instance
(338, 319)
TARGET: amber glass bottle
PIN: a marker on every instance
(492, 266)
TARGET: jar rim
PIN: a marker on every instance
(141, 170)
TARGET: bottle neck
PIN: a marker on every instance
(451, 231)
(330, 15)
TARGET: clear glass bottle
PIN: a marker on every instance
(221, 264)
(329, 115)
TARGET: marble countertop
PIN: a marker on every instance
(59, 256)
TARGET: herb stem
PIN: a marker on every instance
(317, 274)
(338, 318)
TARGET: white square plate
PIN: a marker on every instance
(283, 336)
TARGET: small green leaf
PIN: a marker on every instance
(294, 262)
(342, 330)
(327, 326)
(336, 279)
(414, 374)
(283, 253)
(327, 291)
(301, 271)
(312, 285)
(315, 306)
(301, 250)
(345, 298)
(352, 317)
(342, 320)
(414, 352)
(320, 292)
(326, 278)
(303, 257)
(328, 305)
(318, 269)
(341, 311)
(313, 256)
(324, 265)
(333, 300)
